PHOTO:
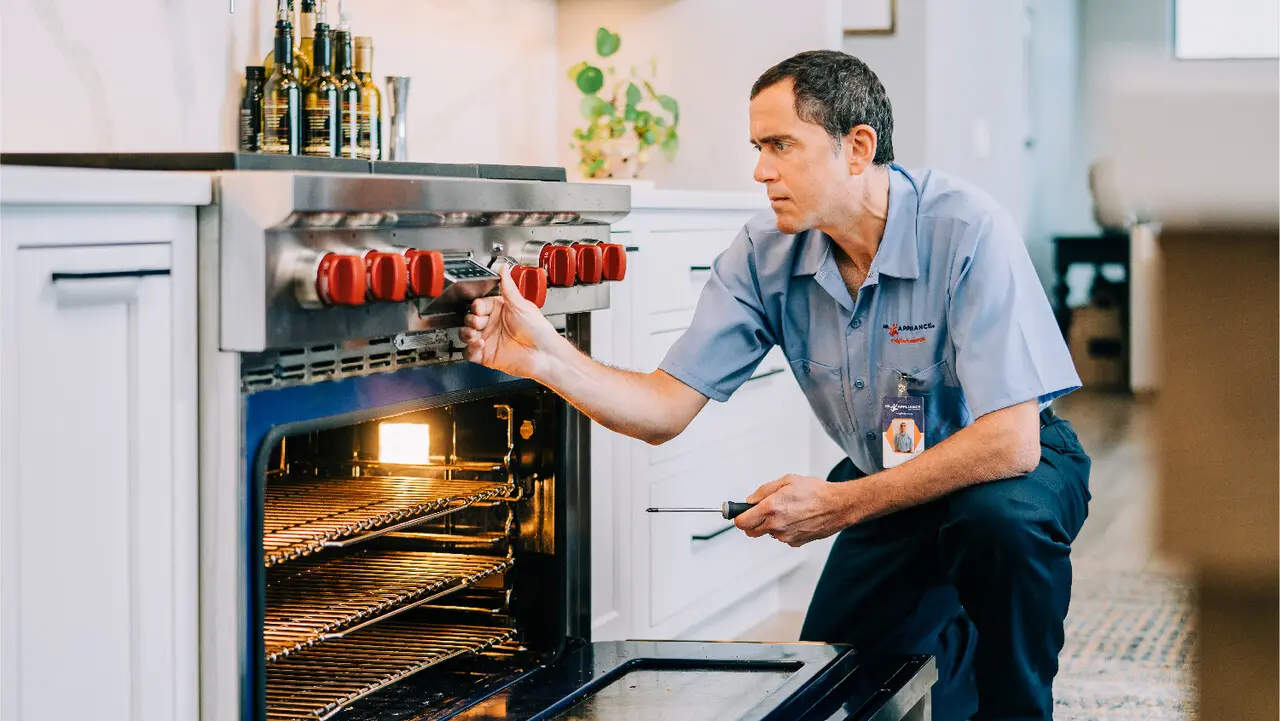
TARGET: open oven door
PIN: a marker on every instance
(701, 681)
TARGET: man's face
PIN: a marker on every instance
(902, 427)
(798, 164)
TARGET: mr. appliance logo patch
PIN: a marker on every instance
(908, 333)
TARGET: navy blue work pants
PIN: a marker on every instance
(980, 579)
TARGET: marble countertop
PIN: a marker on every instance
(21, 185)
(661, 199)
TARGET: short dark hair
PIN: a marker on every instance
(838, 92)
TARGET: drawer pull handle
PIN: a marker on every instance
(699, 269)
(632, 248)
(713, 534)
(110, 274)
(766, 374)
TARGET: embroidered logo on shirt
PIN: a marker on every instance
(896, 332)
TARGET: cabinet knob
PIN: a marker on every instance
(532, 283)
(614, 265)
(341, 279)
(388, 276)
(426, 273)
(560, 262)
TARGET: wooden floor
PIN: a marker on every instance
(1117, 433)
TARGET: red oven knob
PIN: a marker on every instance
(615, 261)
(561, 264)
(340, 279)
(388, 276)
(426, 273)
(590, 263)
(532, 283)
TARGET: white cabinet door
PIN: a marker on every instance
(94, 502)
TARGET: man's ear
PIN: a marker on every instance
(859, 148)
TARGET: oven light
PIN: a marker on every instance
(404, 443)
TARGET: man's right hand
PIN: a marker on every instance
(509, 333)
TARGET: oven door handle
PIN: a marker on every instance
(399, 526)
(713, 534)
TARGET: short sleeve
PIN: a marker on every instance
(1008, 347)
(730, 334)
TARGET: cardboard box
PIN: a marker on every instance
(1099, 348)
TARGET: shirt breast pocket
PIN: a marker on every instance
(944, 407)
(823, 386)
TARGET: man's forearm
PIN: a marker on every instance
(1000, 445)
(653, 407)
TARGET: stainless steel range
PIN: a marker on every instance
(390, 532)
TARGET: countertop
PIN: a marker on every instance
(1195, 144)
(21, 185)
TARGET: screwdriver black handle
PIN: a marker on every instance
(732, 509)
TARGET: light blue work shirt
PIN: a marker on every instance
(950, 300)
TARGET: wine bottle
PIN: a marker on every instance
(348, 91)
(370, 141)
(281, 96)
(307, 35)
(251, 110)
(320, 106)
(301, 60)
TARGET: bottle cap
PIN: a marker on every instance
(255, 72)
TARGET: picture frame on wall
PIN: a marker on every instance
(869, 17)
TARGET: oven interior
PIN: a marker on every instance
(410, 560)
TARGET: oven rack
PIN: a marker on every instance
(302, 517)
(318, 682)
(320, 599)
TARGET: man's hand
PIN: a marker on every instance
(797, 509)
(509, 333)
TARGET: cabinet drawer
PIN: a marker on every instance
(770, 400)
(676, 266)
(693, 556)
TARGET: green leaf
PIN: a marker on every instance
(593, 107)
(649, 137)
(590, 79)
(573, 71)
(669, 104)
(607, 43)
(630, 114)
(660, 121)
(644, 117)
(633, 94)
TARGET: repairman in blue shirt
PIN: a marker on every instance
(891, 292)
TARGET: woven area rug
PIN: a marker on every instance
(1128, 650)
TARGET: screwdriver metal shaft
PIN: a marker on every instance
(730, 509)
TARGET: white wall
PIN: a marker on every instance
(899, 61)
(138, 75)
(709, 52)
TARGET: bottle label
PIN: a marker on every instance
(353, 124)
(319, 126)
(367, 141)
(276, 122)
(249, 137)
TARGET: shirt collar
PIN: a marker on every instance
(898, 253)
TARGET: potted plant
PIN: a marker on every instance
(625, 117)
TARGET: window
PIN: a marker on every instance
(1220, 29)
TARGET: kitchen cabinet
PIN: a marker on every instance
(98, 506)
(686, 575)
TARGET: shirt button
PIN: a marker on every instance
(871, 436)
(859, 383)
(857, 323)
(805, 367)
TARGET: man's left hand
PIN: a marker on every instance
(797, 509)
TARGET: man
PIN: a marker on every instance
(880, 285)
(902, 442)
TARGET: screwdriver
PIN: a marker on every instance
(730, 509)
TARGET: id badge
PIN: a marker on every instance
(902, 426)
